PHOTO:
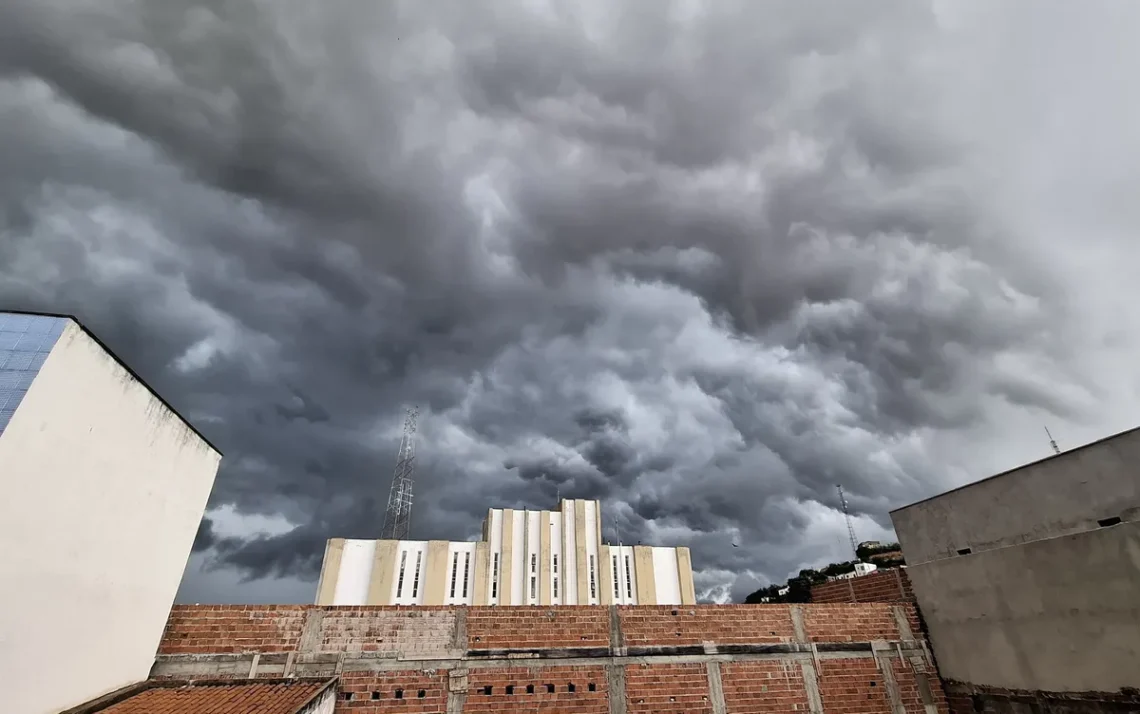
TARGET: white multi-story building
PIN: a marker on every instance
(524, 558)
(104, 487)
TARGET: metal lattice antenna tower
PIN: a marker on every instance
(398, 517)
(850, 527)
(1052, 442)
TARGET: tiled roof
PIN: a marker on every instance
(220, 698)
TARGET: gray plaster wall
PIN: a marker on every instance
(1020, 584)
(1064, 494)
(1060, 614)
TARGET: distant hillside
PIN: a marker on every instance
(798, 587)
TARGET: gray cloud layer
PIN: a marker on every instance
(701, 261)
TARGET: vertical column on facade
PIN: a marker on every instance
(383, 572)
(583, 575)
(544, 541)
(506, 576)
(436, 572)
(482, 570)
(330, 570)
(568, 563)
(646, 581)
(605, 576)
(685, 576)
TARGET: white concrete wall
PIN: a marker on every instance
(104, 488)
(355, 573)
(666, 580)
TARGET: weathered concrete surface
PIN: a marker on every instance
(1030, 581)
(104, 489)
(1060, 495)
(1061, 614)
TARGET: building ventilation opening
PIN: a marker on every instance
(592, 687)
(422, 693)
(399, 694)
(1106, 522)
(348, 696)
(488, 690)
(510, 689)
(570, 687)
(375, 695)
(530, 689)
(550, 689)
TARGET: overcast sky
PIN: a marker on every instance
(700, 260)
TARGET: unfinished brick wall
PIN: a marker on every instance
(643, 625)
(414, 631)
(880, 586)
(492, 628)
(579, 689)
(667, 688)
(746, 659)
(852, 623)
(201, 629)
(762, 687)
(405, 691)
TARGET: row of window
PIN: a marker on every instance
(415, 580)
(554, 580)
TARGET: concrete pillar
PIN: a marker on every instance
(506, 579)
(482, 568)
(330, 569)
(685, 576)
(383, 572)
(646, 583)
(580, 556)
(544, 558)
(437, 572)
(716, 688)
(605, 576)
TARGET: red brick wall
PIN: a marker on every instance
(760, 687)
(410, 630)
(768, 683)
(852, 686)
(880, 586)
(376, 692)
(851, 623)
(906, 679)
(643, 625)
(205, 629)
(581, 701)
(667, 688)
(537, 627)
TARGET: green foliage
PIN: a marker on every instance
(799, 586)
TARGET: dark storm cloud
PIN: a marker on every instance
(702, 265)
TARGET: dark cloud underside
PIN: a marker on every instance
(700, 261)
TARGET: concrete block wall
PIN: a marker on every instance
(880, 586)
(844, 658)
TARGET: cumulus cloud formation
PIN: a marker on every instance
(701, 261)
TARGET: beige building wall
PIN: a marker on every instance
(105, 486)
(561, 550)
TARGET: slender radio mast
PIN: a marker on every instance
(1052, 442)
(398, 517)
(850, 528)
